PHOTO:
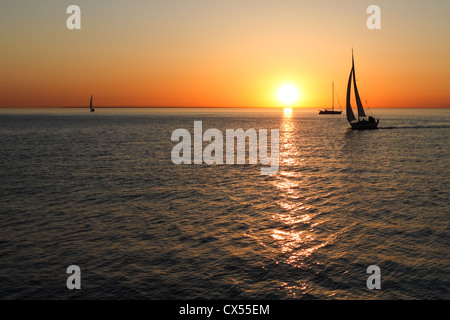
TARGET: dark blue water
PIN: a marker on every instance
(100, 191)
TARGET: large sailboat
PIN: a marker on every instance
(332, 111)
(363, 121)
(90, 105)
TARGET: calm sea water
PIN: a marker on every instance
(100, 191)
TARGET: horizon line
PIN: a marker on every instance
(193, 107)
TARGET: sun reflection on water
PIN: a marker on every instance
(288, 111)
(296, 235)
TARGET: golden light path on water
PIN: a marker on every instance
(306, 225)
(297, 238)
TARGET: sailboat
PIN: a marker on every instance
(363, 121)
(90, 105)
(332, 111)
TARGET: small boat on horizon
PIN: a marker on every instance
(90, 105)
(332, 111)
(363, 121)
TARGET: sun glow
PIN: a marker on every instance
(288, 94)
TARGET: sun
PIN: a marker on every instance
(288, 94)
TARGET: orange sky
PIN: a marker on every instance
(223, 53)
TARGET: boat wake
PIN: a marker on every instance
(417, 127)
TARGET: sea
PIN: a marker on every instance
(346, 210)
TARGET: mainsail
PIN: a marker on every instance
(358, 99)
(349, 111)
(90, 104)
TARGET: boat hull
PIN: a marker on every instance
(329, 112)
(364, 125)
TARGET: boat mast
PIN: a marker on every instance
(332, 94)
(348, 108)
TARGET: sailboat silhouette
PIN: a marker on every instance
(363, 122)
(332, 111)
(90, 105)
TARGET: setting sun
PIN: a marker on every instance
(288, 94)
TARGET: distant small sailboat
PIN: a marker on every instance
(332, 111)
(90, 105)
(363, 122)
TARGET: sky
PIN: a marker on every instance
(223, 53)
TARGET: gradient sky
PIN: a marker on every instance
(222, 53)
